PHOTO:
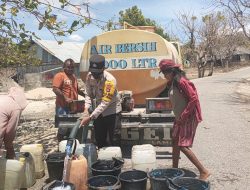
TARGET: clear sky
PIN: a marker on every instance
(162, 11)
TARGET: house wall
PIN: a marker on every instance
(241, 57)
(244, 57)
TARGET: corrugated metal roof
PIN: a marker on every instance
(63, 51)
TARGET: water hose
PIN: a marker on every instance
(71, 138)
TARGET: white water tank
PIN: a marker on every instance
(107, 153)
(36, 150)
(143, 157)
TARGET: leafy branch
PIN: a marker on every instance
(45, 13)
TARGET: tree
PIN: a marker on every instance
(15, 37)
(220, 36)
(46, 15)
(190, 28)
(12, 54)
(217, 38)
(135, 17)
(240, 9)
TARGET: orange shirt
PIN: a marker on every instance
(68, 85)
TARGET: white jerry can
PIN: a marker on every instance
(29, 177)
(107, 153)
(36, 150)
(143, 157)
(63, 143)
(11, 173)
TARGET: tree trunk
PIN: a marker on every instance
(203, 69)
(211, 68)
(226, 65)
(199, 70)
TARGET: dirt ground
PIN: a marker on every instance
(37, 122)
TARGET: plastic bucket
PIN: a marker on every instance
(158, 177)
(59, 185)
(106, 167)
(55, 164)
(104, 182)
(188, 183)
(133, 180)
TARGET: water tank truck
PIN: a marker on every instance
(132, 56)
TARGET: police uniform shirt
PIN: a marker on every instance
(105, 92)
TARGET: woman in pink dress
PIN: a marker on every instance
(186, 107)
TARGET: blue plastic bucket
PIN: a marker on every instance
(158, 177)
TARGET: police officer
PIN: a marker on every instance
(102, 96)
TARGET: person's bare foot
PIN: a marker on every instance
(204, 175)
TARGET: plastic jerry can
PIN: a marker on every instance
(77, 172)
(107, 153)
(62, 145)
(36, 150)
(11, 172)
(143, 157)
(29, 177)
